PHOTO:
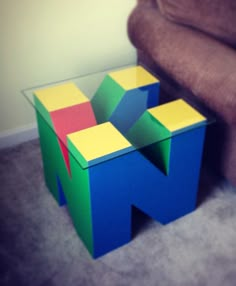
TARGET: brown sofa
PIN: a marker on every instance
(190, 45)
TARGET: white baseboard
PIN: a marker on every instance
(19, 135)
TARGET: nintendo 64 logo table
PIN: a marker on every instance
(101, 156)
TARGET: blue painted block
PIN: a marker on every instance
(133, 180)
(131, 107)
(110, 193)
(124, 96)
(166, 198)
(152, 98)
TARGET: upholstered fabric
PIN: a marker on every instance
(201, 64)
(216, 17)
(196, 61)
(147, 2)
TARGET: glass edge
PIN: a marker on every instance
(209, 119)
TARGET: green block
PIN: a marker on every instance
(77, 192)
(49, 155)
(106, 99)
(43, 111)
(152, 139)
(75, 186)
(124, 95)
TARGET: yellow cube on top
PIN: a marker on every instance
(177, 115)
(133, 77)
(60, 96)
(99, 143)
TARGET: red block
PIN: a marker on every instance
(69, 120)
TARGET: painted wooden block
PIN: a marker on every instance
(92, 209)
(65, 109)
(160, 124)
(71, 119)
(171, 137)
(132, 180)
(70, 188)
(124, 95)
(57, 97)
(97, 144)
(145, 133)
(102, 154)
(177, 116)
(168, 197)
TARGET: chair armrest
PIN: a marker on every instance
(196, 61)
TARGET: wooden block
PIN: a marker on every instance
(110, 190)
(51, 149)
(66, 109)
(152, 139)
(106, 99)
(71, 188)
(117, 184)
(69, 120)
(57, 97)
(60, 96)
(133, 77)
(130, 108)
(177, 115)
(96, 144)
(167, 198)
(124, 95)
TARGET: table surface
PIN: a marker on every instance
(89, 84)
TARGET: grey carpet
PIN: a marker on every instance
(39, 246)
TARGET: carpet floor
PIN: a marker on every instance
(39, 245)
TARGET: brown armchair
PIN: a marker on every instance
(190, 45)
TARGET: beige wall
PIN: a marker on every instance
(48, 40)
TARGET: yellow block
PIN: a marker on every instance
(60, 96)
(99, 141)
(133, 77)
(176, 115)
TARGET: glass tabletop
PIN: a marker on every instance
(107, 114)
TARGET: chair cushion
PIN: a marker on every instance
(215, 17)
